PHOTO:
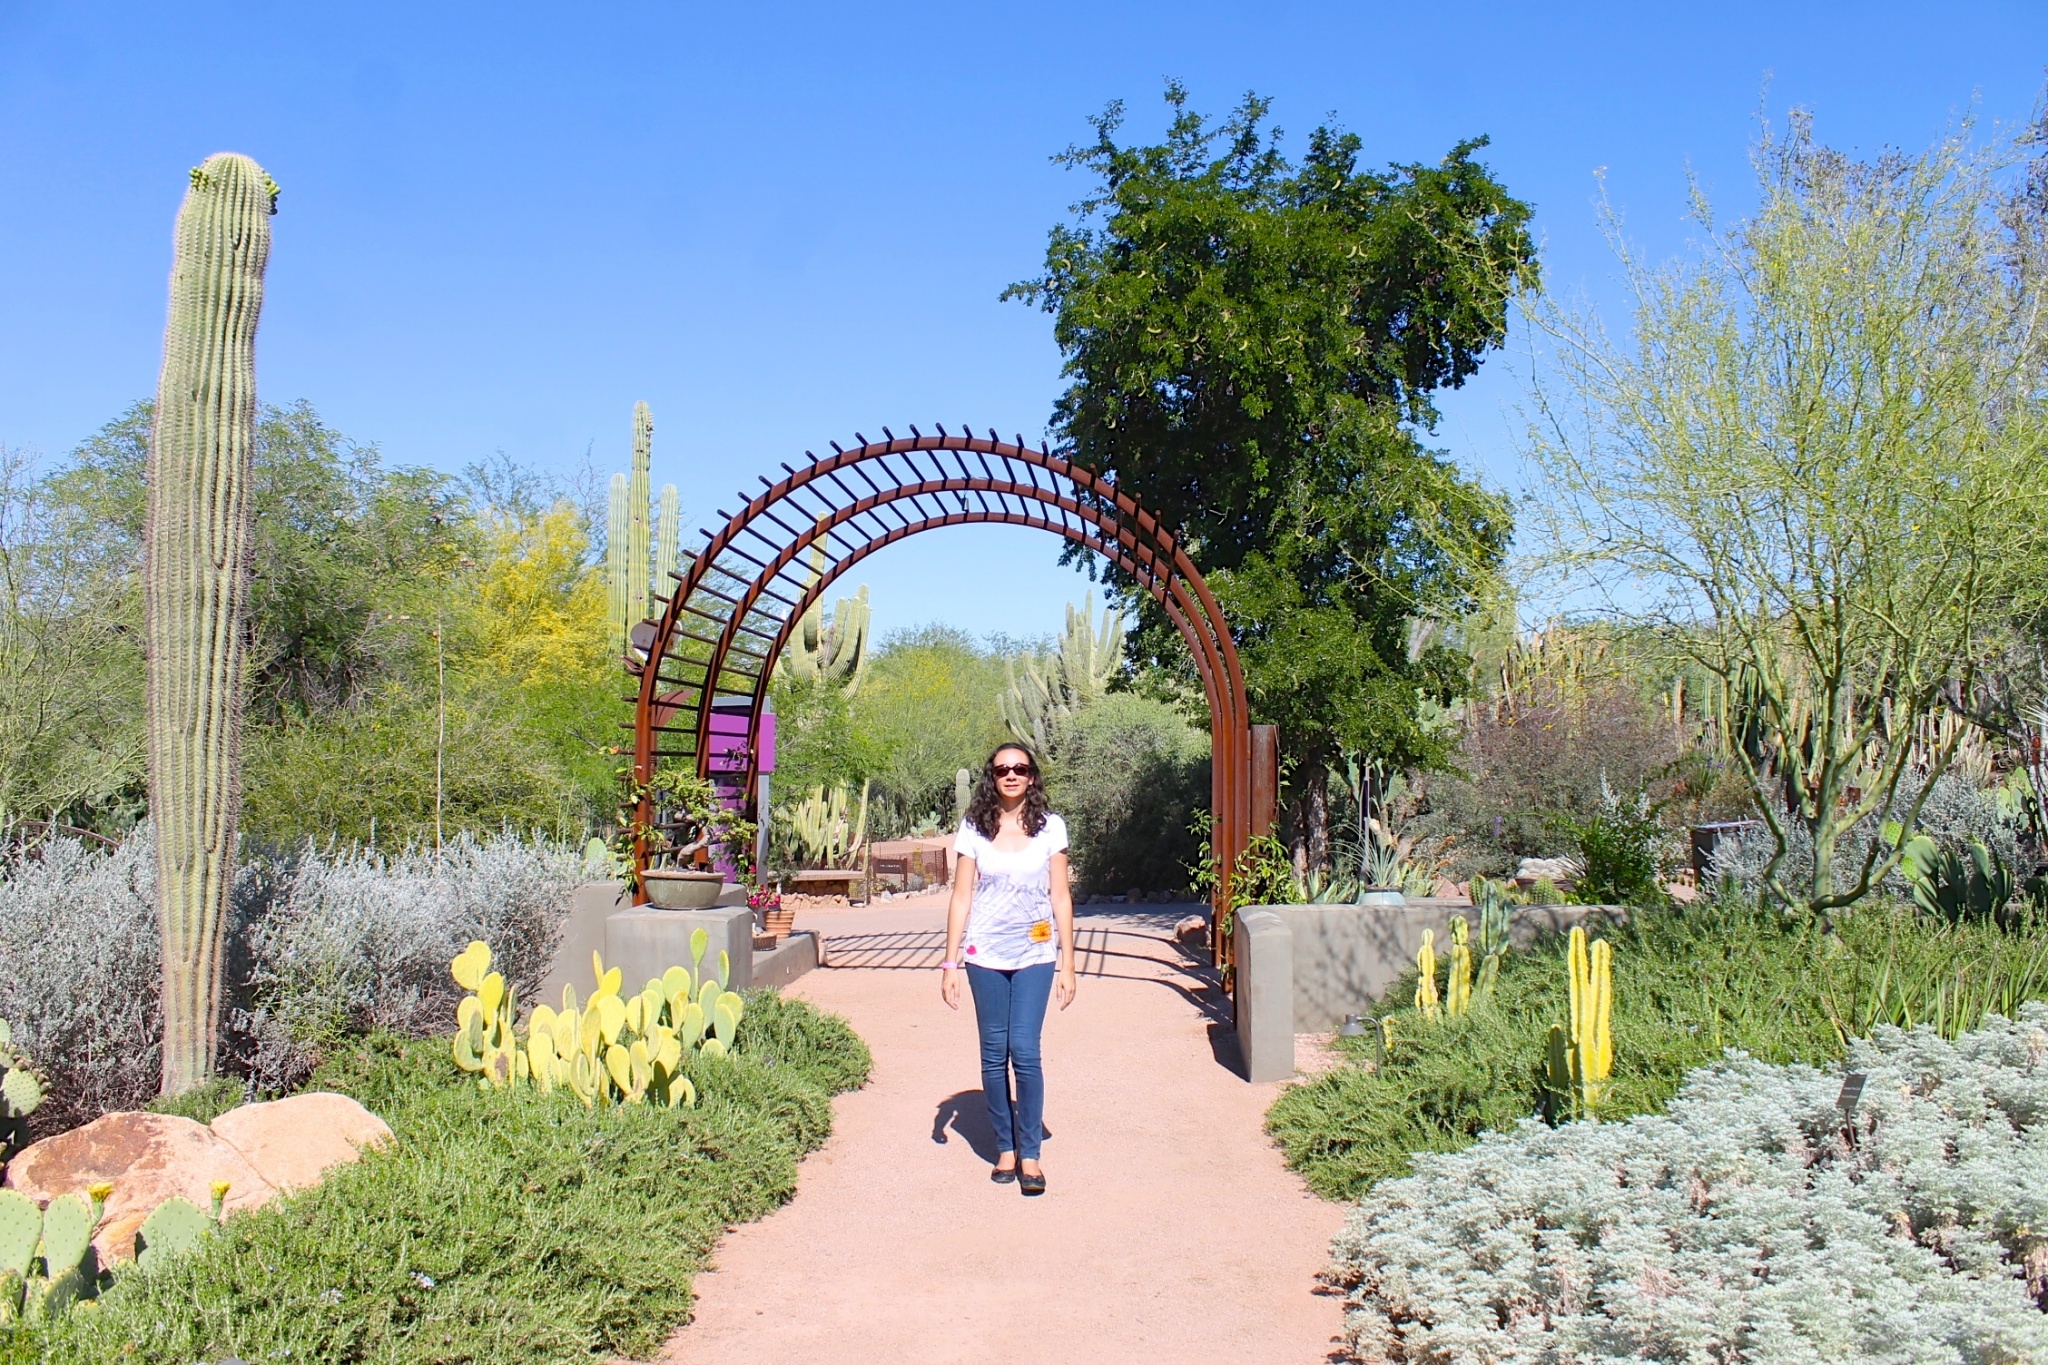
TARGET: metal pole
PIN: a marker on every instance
(1265, 779)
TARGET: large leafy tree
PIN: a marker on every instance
(1252, 347)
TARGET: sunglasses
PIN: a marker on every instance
(1013, 770)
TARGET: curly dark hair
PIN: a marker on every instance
(985, 811)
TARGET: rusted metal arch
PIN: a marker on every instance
(1163, 585)
(731, 587)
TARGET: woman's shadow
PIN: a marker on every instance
(967, 1115)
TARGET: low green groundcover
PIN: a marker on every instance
(1688, 985)
(501, 1227)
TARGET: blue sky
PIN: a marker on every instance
(502, 224)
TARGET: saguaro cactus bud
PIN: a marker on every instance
(196, 586)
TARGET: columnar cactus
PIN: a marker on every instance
(1425, 976)
(618, 529)
(1458, 979)
(1074, 676)
(1582, 1055)
(196, 587)
(668, 540)
(639, 547)
(833, 652)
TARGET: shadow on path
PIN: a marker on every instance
(966, 1113)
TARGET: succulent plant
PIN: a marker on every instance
(172, 1228)
(199, 540)
(613, 1049)
(1425, 976)
(1580, 1056)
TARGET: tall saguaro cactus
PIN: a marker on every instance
(618, 530)
(668, 540)
(196, 587)
(638, 543)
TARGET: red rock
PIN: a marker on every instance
(292, 1141)
(148, 1158)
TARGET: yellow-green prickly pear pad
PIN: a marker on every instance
(590, 1036)
(543, 1020)
(724, 1022)
(21, 1227)
(176, 1226)
(724, 966)
(669, 1054)
(469, 1011)
(619, 1065)
(682, 1093)
(632, 1012)
(611, 1017)
(67, 1234)
(693, 1024)
(738, 1003)
(708, 997)
(568, 998)
(491, 994)
(468, 1046)
(675, 981)
(568, 1033)
(713, 1048)
(470, 965)
(700, 941)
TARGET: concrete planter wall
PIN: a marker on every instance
(1327, 961)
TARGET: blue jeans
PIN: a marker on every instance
(1010, 1008)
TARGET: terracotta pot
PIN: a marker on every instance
(672, 888)
(779, 922)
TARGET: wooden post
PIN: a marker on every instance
(1265, 778)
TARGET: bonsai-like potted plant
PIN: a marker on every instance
(690, 824)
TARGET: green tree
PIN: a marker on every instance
(1818, 467)
(927, 708)
(1253, 346)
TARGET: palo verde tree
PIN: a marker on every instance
(1818, 466)
(196, 587)
(1252, 348)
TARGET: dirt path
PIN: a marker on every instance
(1171, 1231)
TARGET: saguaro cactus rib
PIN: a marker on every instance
(196, 586)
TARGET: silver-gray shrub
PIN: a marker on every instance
(321, 944)
(1739, 1225)
(80, 973)
(338, 944)
(1955, 811)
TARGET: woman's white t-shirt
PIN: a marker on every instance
(1010, 924)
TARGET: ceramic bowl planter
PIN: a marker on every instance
(674, 888)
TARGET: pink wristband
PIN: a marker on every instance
(951, 966)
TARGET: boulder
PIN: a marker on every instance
(148, 1158)
(291, 1142)
(1193, 932)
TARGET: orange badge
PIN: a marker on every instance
(1041, 932)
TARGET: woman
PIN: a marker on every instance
(1014, 914)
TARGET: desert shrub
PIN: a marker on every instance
(320, 945)
(346, 943)
(1128, 773)
(1740, 1224)
(503, 1226)
(1622, 850)
(1686, 987)
(1955, 812)
(80, 973)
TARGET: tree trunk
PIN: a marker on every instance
(1309, 820)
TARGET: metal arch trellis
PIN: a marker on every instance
(738, 598)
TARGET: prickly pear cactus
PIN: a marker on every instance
(196, 587)
(21, 1229)
(173, 1228)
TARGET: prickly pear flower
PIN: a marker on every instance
(220, 1189)
(99, 1190)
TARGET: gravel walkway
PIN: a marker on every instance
(1170, 1232)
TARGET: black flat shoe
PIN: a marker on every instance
(1002, 1176)
(1031, 1184)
